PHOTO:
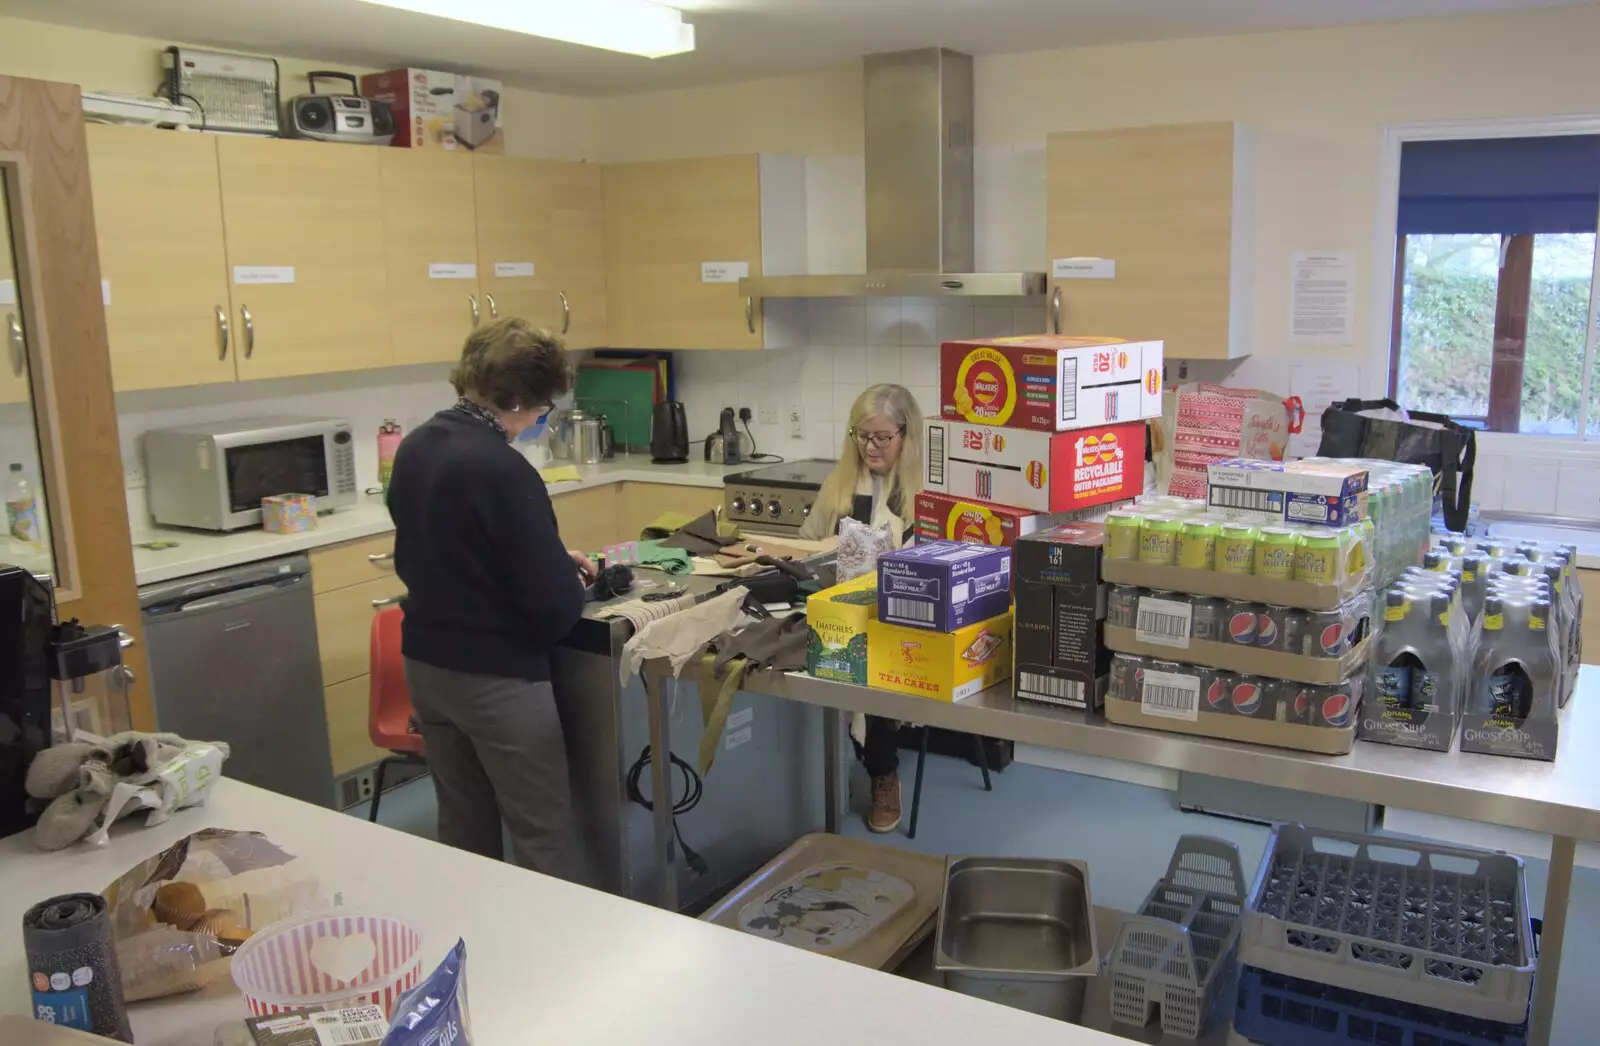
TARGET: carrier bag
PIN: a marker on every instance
(1370, 429)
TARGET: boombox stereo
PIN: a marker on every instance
(339, 117)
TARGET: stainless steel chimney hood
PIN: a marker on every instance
(919, 189)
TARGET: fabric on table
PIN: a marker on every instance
(777, 643)
(660, 557)
(664, 525)
(684, 633)
(702, 536)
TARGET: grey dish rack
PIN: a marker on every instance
(1432, 925)
(1178, 954)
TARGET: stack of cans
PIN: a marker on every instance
(1173, 532)
(1241, 694)
(1400, 508)
(1289, 630)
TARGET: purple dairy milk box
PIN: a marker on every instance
(943, 585)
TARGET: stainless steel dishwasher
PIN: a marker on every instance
(233, 657)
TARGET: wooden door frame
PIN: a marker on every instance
(42, 136)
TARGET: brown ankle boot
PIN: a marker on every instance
(884, 816)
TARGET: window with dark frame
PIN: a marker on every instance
(1494, 294)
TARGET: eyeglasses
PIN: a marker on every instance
(877, 439)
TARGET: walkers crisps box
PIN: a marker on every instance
(1036, 471)
(1060, 610)
(943, 517)
(1049, 382)
(944, 666)
(836, 629)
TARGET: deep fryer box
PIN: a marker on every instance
(943, 585)
(438, 110)
(1049, 382)
(1060, 607)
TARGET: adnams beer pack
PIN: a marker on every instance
(1049, 382)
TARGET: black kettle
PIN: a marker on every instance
(669, 434)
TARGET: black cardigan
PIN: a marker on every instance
(489, 585)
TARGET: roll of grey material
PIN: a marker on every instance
(72, 965)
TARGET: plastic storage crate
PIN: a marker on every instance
(1180, 951)
(1437, 926)
(1276, 1010)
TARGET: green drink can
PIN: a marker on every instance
(1235, 552)
(1319, 557)
(1197, 543)
(1275, 549)
(1158, 540)
(1123, 528)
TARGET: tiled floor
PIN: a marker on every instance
(1126, 834)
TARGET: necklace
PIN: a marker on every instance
(473, 410)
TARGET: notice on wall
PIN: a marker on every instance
(1318, 384)
(248, 274)
(1322, 309)
(723, 271)
(452, 271)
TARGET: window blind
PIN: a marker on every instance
(1500, 185)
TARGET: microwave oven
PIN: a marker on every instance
(213, 476)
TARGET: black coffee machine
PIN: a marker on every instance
(27, 619)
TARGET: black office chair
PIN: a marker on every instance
(922, 757)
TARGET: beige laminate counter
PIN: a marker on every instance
(199, 552)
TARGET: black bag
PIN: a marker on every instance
(1450, 451)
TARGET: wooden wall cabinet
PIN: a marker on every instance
(1171, 206)
(14, 368)
(541, 245)
(430, 241)
(665, 219)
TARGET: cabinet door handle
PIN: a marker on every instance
(1055, 310)
(380, 557)
(390, 601)
(249, 332)
(19, 354)
(124, 640)
(566, 312)
(222, 332)
(472, 299)
(750, 313)
(494, 310)
(128, 678)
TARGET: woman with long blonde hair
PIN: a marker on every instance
(877, 478)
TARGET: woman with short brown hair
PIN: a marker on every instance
(490, 589)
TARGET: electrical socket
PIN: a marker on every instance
(797, 422)
(769, 415)
(133, 478)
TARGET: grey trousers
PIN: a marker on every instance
(496, 751)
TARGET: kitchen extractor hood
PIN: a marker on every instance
(919, 189)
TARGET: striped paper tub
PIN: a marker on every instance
(276, 968)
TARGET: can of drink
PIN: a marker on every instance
(1216, 691)
(1241, 618)
(1209, 619)
(1322, 633)
(1158, 540)
(1197, 543)
(1122, 530)
(1275, 550)
(1318, 556)
(1235, 549)
(1127, 676)
(1248, 695)
(1286, 702)
(1335, 705)
(1272, 627)
(1454, 544)
(1122, 605)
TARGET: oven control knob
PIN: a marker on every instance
(756, 506)
(774, 510)
(738, 505)
(805, 512)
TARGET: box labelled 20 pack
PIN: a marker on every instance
(1035, 471)
(1049, 382)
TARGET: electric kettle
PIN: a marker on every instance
(669, 434)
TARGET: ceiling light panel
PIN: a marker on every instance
(630, 26)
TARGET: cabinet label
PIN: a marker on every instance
(452, 271)
(1084, 269)
(105, 292)
(263, 274)
(724, 271)
(507, 269)
(8, 292)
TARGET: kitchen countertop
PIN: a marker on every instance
(547, 961)
(199, 552)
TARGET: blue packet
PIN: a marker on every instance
(434, 1013)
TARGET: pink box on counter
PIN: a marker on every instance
(289, 513)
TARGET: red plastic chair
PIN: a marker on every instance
(389, 709)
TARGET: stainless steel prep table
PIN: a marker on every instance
(1561, 798)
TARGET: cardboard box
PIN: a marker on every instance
(1319, 493)
(1308, 595)
(943, 517)
(944, 666)
(1326, 740)
(1060, 605)
(289, 513)
(1251, 660)
(943, 585)
(1035, 471)
(836, 629)
(435, 110)
(1049, 382)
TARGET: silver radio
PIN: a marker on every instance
(340, 117)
